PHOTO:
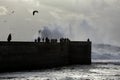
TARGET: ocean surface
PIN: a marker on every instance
(96, 71)
(105, 66)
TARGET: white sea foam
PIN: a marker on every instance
(76, 72)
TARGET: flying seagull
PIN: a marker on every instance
(34, 12)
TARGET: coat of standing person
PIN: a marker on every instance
(9, 37)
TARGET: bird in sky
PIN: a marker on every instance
(34, 12)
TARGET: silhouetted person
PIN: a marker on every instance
(42, 39)
(88, 40)
(39, 39)
(9, 37)
(61, 40)
(35, 40)
(47, 40)
(53, 40)
(67, 40)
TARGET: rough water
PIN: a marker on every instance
(77, 72)
(105, 66)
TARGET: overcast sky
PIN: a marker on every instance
(98, 20)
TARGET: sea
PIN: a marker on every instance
(105, 66)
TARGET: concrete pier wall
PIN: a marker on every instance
(80, 53)
(31, 55)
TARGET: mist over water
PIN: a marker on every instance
(80, 30)
(75, 31)
(50, 32)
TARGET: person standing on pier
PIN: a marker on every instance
(9, 37)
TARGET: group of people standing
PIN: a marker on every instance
(42, 39)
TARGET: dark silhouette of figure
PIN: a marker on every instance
(42, 39)
(9, 37)
(64, 40)
(35, 40)
(88, 40)
(47, 40)
(68, 40)
(53, 40)
(61, 40)
(39, 39)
